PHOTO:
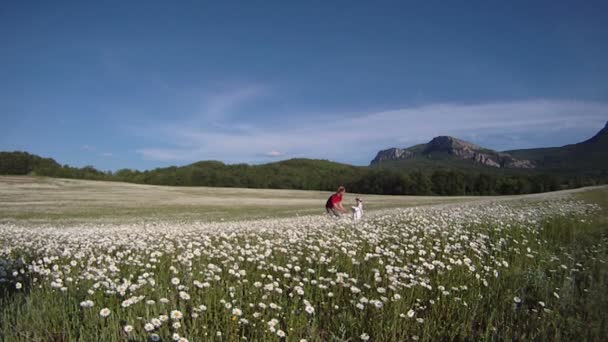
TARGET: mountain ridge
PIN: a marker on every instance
(456, 148)
(448, 150)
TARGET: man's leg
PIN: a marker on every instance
(332, 211)
(336, 212)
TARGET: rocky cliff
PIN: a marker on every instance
(456, 148)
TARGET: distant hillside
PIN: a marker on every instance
(591, 154)
(444, 152)
(448, 150)
(310, 174)
(286, 174)
(22, 163)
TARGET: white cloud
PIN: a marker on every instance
(107, 154)
(219, 106)
(274, 154)
(358, 138)
(87, 148)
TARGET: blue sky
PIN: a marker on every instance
(150, 84)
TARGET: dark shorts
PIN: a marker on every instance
(332, 211)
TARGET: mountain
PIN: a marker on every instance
(444, 148)
(589, 156)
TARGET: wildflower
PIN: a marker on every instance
(364, 337)
(556, 295)
(273, 322)
(128, 328)
(18, 286)
(176, 315)
(154, 337)
(105, 312)
(517, 300)
(87, 304)
(149, 327)
(411, 313)
(310, 310)
(280, 333)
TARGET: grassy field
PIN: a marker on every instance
(39, 200)
(509, 268)
(50, 200)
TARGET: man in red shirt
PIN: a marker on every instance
(334, 202)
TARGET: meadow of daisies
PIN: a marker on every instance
(520, 269)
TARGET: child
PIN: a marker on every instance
(357, 210)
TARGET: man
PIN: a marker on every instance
(333, 205)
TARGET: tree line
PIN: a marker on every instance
(307, 174)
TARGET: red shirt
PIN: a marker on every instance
(336, 198)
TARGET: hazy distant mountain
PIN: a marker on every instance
(589, 154)
(450, 152)
(445, 148)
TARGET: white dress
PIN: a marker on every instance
(357, 212)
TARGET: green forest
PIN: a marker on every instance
(311, 174)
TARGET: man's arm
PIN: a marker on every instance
(339, 206)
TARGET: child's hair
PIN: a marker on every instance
(358, 199)
(341, 188)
